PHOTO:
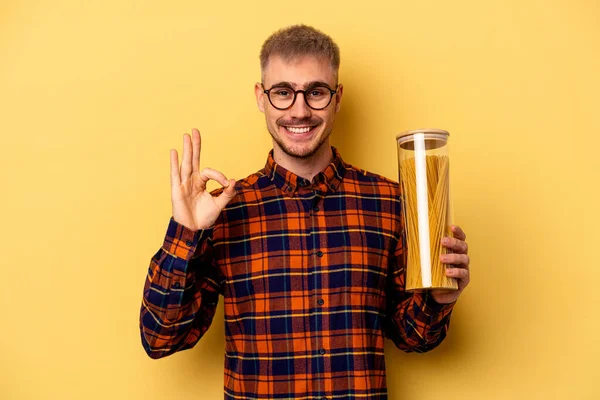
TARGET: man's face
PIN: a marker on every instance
(299, 131)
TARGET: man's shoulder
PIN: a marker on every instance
(363, 176)
(252, 182)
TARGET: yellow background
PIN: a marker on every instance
(94, 94)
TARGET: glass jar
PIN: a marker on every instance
(424, 175)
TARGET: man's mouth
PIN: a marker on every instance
(298, 129)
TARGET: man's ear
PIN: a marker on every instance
(260, 99)
(338, 97)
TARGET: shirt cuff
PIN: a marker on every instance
(432, 307)
(182, 242)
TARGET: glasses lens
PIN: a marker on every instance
(318, 97)
(281, 97)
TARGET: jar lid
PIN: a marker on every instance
(425, 130)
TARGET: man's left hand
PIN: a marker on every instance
(459, 260)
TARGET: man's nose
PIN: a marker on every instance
(300, 109)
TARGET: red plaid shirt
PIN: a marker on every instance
(312, 278)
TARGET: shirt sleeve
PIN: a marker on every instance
(180, 293)
(415, 321)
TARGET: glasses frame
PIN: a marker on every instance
(331, 92)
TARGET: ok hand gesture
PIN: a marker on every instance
(193, 206)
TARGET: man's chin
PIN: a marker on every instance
(299, 153)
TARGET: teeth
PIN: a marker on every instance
(298, 130)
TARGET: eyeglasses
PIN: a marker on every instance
(316, 97)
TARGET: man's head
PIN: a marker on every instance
(299, 58)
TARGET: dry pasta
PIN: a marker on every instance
(439, 220)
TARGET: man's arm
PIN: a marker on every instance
(415, 322)
(181, 292)
(183, 284)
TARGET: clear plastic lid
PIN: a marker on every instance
(434, 138)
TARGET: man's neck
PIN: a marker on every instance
(308, 167)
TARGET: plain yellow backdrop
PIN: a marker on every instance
(94, 94)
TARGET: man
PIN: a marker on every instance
(308, 253)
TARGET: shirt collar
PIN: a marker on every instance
(326, 181)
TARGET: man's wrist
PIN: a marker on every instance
(182, 241)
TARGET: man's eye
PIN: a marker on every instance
(282, 93)
(317, 92)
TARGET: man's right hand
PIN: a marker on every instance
(193, 206)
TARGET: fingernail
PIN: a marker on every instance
(445, 241)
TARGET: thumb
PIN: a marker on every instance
(227, 194)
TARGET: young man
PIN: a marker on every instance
(308, 253)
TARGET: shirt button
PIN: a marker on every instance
(176, 285)
(289, 189)
(319, 254)
(321, 302)
(316, 209)
(189, 243)
(322, 351)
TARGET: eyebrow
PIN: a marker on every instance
(308, 84)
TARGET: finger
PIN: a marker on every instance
(458, 273)
(456, 259)
(456, 245)
(458, 232)
(227, 195)
(196, 145)
(208, 173)
(175, 181)
(186, 163)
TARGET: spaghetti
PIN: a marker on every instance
(438, 200)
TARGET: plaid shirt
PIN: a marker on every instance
(312, 279)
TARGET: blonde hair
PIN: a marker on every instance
(296, 41)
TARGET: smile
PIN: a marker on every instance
(297, 129)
